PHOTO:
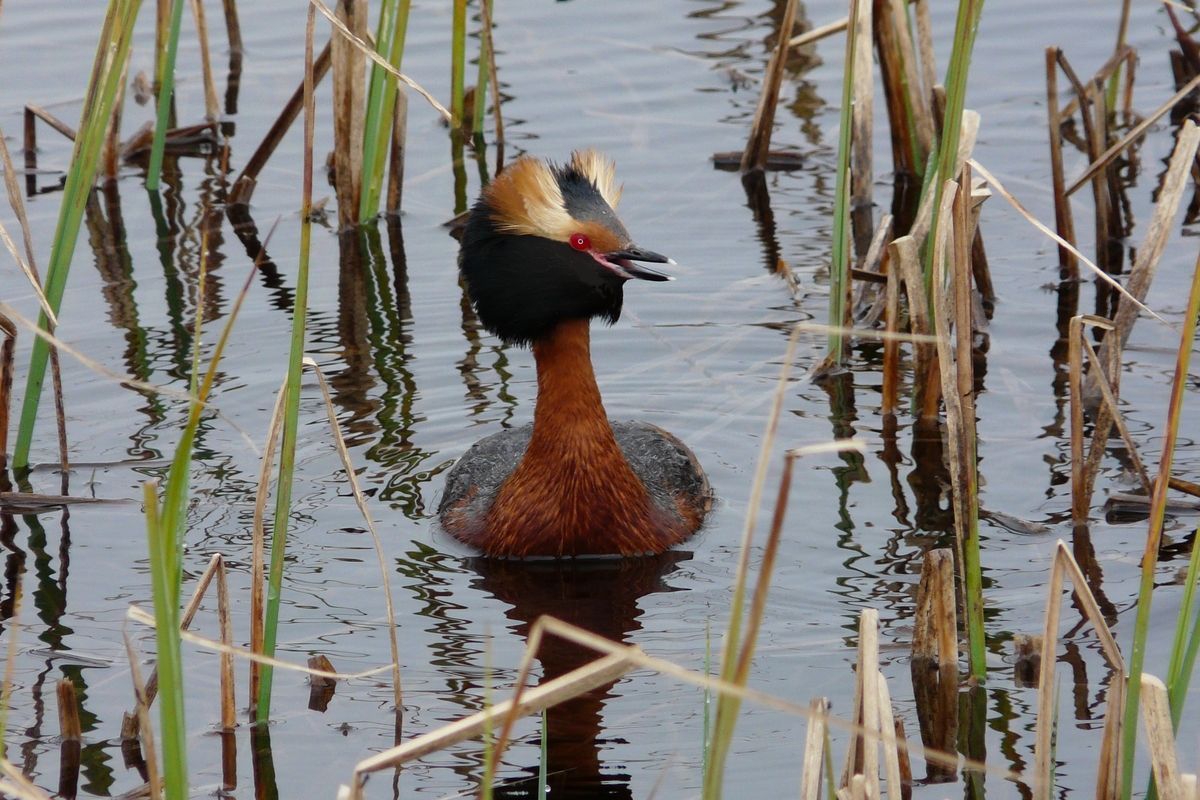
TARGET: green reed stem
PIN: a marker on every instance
(839, 267)
(291, 414)
(1183, 648)
(164, 576)
(1158, 507)
(965, 28)
(165, 95)
(381, 104)
(481, 83)
(458, 52)
(113, 50)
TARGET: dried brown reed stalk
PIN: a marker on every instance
(8, 353)
(258, 550)
(871, 266)
(1093, 115)
(934, 664)
(17, 784)
(1156, 714)
(1108, 780)
(69, 728)
(865, 710)
(622, 659)
(1080, 499)
(349, 113)
(30, 269)
(399, 143)
(862, 155)
(1138, 131)
(1137, 287)
(144, 728)
(906, 261)
(138, 615)
(70, 734)
(212, 106)
(243, 185)
(928, 63)
(225, 618)
(129, 724)
(361, 500)
(759, 143)
(1063, 219)
(1120, 55)
(891, 347)
(819, 33)
(966, 143)
(1116, 285)
(814, 750)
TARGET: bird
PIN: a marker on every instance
(542, 254)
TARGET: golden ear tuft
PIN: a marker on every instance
(600, 171)
(525, 199)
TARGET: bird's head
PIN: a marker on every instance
(543, 245)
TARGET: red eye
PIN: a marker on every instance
(580, 242)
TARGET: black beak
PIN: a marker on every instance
(632, 253)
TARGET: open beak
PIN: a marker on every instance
(625, 258)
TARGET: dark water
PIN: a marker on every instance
(659, 87)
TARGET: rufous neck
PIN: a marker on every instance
(567, 392)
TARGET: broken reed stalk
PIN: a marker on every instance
(1154, 534)
(361, 500)
(1065, 566)
(103, 86)
(494, 82)
(1156, 714)
(814, 750)
(348, 112)
(759, 144)
(225, 617)
(70, 734)
(8, 353)
(166, 93)
(145, 729)
(1063, 219)
(862, 116)
(381, 113)
(891, 346)
(839, 267)
(967, 455)
(287, 457)
(957, 384)
(863, 747)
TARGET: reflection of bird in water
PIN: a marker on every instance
(600, 595)
(542, 254)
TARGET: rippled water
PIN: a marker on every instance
(659, 87)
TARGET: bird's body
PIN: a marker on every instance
(543, 252)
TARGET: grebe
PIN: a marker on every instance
(542, 254)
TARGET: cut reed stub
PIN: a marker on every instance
(320, 687)
(1027, 660)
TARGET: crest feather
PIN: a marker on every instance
(526, 199)
(600, 171)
